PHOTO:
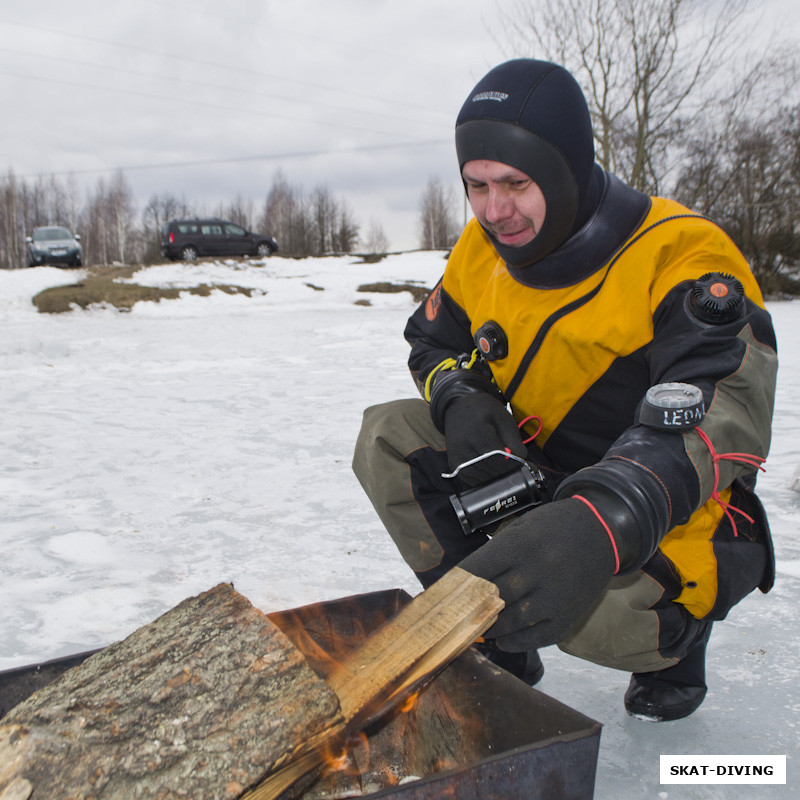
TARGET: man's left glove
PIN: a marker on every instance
(550, 565)
(471, 413)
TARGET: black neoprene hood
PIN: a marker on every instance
(532, 115)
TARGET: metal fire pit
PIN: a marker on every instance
(474, 732)
(502, 739)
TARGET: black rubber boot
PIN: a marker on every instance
(527, 667)
(671, 693)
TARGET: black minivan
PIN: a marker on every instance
(188, 239)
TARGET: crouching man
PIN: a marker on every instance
(567, 298)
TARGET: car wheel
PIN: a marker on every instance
(189, 253)
(263, 250)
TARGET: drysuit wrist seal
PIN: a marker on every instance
(455, 383)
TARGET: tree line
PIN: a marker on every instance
(679, 105)
(112, 230)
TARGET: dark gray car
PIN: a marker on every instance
(186, 239)
(53, 245)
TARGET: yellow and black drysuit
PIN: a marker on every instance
(609, 298)
(589, 329)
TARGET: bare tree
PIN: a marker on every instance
(70, 209)
(112, 230)
(105, 218)
(346, 229)
(96, 239)
(242, 211)
(747, 177)
(11, 241)
(25, 206)
(438, 225)
(158, 210)
(308, 225)
(109, 222)
(375, 241)
(322, 220)
(121, 216)
(647, 68)
(285, 217)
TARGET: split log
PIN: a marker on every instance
(202, 703)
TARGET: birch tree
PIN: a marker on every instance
(438, 225)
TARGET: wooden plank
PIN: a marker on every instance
(434, 628)
(201, 703)
(424, 636)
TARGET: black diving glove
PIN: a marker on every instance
(471, 412)
(477, 424)
(550, 564)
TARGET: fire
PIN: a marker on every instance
(372, 760)
(343, 759)
(410, 703)
(338, 763)
(424, 733)
(427, 733)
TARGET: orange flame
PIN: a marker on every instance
(410, 703)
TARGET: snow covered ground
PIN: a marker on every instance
(147, 456)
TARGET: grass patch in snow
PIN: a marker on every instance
(100, 287)
(418, 292)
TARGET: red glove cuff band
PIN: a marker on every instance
(605, 527)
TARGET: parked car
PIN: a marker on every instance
(53, 245)
(187, 239)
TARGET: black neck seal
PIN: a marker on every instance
(619, 212)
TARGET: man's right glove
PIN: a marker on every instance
(550, 565)
(471, 413)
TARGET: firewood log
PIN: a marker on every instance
(201, 703)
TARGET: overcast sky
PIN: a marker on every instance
(208, 100)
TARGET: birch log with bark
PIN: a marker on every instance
(201, 703)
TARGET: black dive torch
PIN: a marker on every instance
(482, 506)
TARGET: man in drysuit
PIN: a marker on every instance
(567, 298)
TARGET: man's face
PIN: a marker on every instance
(505, 201)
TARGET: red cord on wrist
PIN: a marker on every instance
(743, 458)
(538, 429)
(530, 438)
(605, 526)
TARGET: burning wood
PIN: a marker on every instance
(437, 729)
(427, 634)
(213, 697)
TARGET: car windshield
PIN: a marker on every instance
(49, 234)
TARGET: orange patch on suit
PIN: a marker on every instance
(434, 303)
